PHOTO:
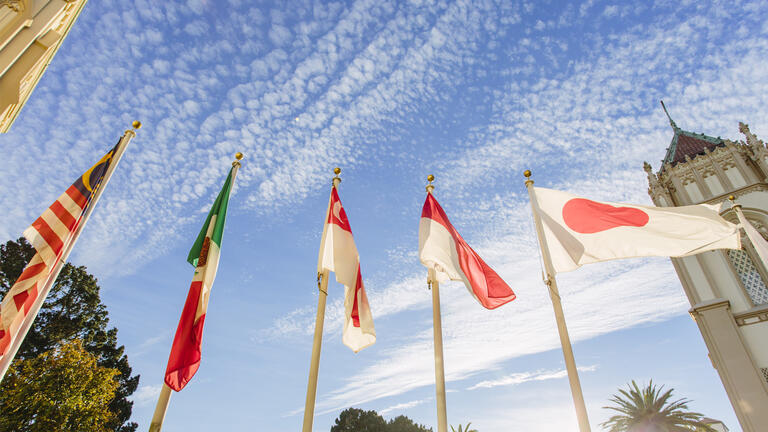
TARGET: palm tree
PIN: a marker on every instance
(466, 428)
(650, 410)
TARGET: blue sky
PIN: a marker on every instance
(472, 91)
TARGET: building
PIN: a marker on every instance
(727, 289)
(31, 31)
(715, 424)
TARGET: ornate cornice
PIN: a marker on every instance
(15, 5)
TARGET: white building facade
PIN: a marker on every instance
(727, 289)
(31, 31)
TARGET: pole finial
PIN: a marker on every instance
(527, 174)
(731, 198)
(238, 157)
(336, 179)
(430, 186)
(136, 125)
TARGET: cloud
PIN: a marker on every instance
(403, 406)
(146, 394)
(523, 377)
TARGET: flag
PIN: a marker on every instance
(757, 240)
(442, 248)
(338, 254)
(581, 231)
(50, 234)
(186, 351)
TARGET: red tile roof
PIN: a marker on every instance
(689, 144)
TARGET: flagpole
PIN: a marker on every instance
(164, 399)
(554, 294)
(314, 365)
(437, 327)
(5, 361)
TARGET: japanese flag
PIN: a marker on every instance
(581, 231)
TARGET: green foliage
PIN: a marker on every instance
(61, 390)
(466, 428)
(650, 410)
(72, 310)
(404, 424)
(357, 420)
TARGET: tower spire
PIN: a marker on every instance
(671, 122)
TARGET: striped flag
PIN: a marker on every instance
(49, 234)
(186, 351)
(338, 254)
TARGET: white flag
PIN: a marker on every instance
(581, 231)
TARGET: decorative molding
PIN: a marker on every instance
(755, 187)
(14, 5)
(755, 315)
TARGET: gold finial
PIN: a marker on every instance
(731, 198)
(136, 125)
(336, 179)
(430, 187)
(238, 156)
(337, 170)
(527, 174)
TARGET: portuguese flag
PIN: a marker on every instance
(187, 344)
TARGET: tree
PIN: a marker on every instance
(357, 420)
(466, 428)
(61, 390)
(650, 410)
(404, 424)
(72, 310)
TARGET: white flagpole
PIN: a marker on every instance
(164, 399)
(5, 361)
(314, 365)
(437, 327)
(554, 294)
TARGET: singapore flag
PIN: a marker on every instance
(442, 248)
(581, 231)
(338, 254)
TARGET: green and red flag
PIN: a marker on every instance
(187, 344)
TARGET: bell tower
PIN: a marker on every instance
(31, 32)
(727, 289)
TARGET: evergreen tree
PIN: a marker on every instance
(72, 310)
(357, 420)
(61, 390)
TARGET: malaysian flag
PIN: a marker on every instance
(49, 234)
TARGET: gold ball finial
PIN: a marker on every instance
(731, 197)
(238, 156)
(430, 178)
(527, 173)
(337, 170)
(136, 124)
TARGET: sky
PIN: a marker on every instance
(473, 92)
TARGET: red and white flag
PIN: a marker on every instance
(441, 248)
(581, 231)
(338, 254)
(49, 234)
